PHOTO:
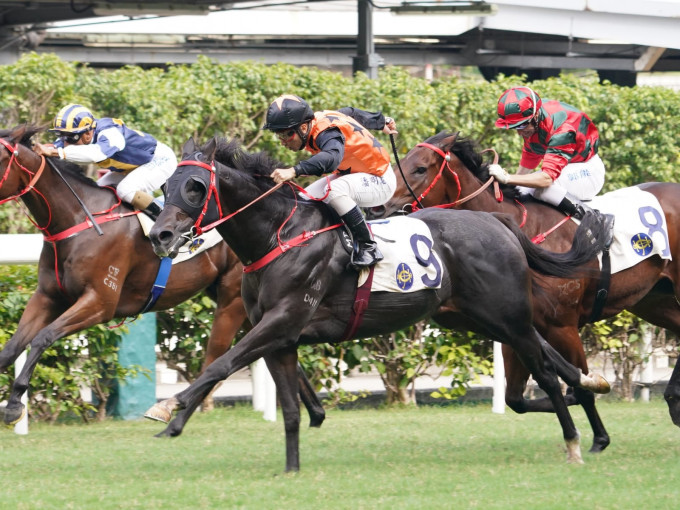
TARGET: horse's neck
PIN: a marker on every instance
(266, 224)
(54, 206)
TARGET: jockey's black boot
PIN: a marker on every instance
(574, 207)
(366, 252)
(153, 210)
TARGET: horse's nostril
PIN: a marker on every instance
(164, 235)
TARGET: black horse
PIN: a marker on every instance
(298, 287)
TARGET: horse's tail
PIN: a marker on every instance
(589, 240)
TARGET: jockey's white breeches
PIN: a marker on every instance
(147, 177)
(581, 180)
(362, 189)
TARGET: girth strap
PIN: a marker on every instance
(602, 287)
(361, 299)
(159, 285)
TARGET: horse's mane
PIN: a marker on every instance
(230, 152)
(24, 133)
(467, 151)
(258, 165)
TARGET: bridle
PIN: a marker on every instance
(282, 246)
(446, 164)
(14, 160)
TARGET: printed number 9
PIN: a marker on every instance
(428, 260)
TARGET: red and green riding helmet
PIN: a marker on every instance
(516, 106)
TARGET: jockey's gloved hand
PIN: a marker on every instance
(499, 173)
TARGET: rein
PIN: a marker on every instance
(446, 163)
(537, 239)
(282, 246)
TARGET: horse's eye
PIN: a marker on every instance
(420, 170)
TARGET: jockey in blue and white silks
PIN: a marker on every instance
(138, 164)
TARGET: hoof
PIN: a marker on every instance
(159, 412)
(601, 384)
(317, 421)
(574, 451)
(595, 383)
(14, 415)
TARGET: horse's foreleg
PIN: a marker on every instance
(317, 414)
(229, 317)
(261, 340)
(85, 313)
(283, 366)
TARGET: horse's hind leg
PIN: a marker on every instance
(39, 312)
(283, 366)
(664, 310)
(516, 378)
(86, 312)
(317, 414)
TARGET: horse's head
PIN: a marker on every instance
(18, 163)
(418, 170)
(187, 194)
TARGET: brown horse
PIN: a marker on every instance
(650, 289)
(85, 279)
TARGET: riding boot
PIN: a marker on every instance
(574, 207)
(153, 210)
(366, 252)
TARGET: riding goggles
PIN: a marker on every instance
(285, 135)
(70, 137)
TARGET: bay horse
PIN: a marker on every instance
(449, 171)
(85, 279)
(298, 286)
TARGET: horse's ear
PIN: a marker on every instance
(188, 148)
(210, 148)
(18, 133)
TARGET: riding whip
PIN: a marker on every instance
(95, 225)
(396, 157)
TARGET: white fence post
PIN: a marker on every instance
(498, 405)
(646, 369)
(264, 390)
(22, 426)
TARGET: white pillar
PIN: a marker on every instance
(498, 380)
(429, 72)
(646, 369)
(264, 390)
(22, 426)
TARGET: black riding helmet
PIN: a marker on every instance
(287, 111)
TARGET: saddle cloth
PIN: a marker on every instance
(198, 245)
(410, 263)
(640, 229)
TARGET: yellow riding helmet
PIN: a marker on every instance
(73, 119)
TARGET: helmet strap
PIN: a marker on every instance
(303, 136)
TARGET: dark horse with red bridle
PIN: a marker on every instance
(446, 171)
(299, 288)
(86, 279)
